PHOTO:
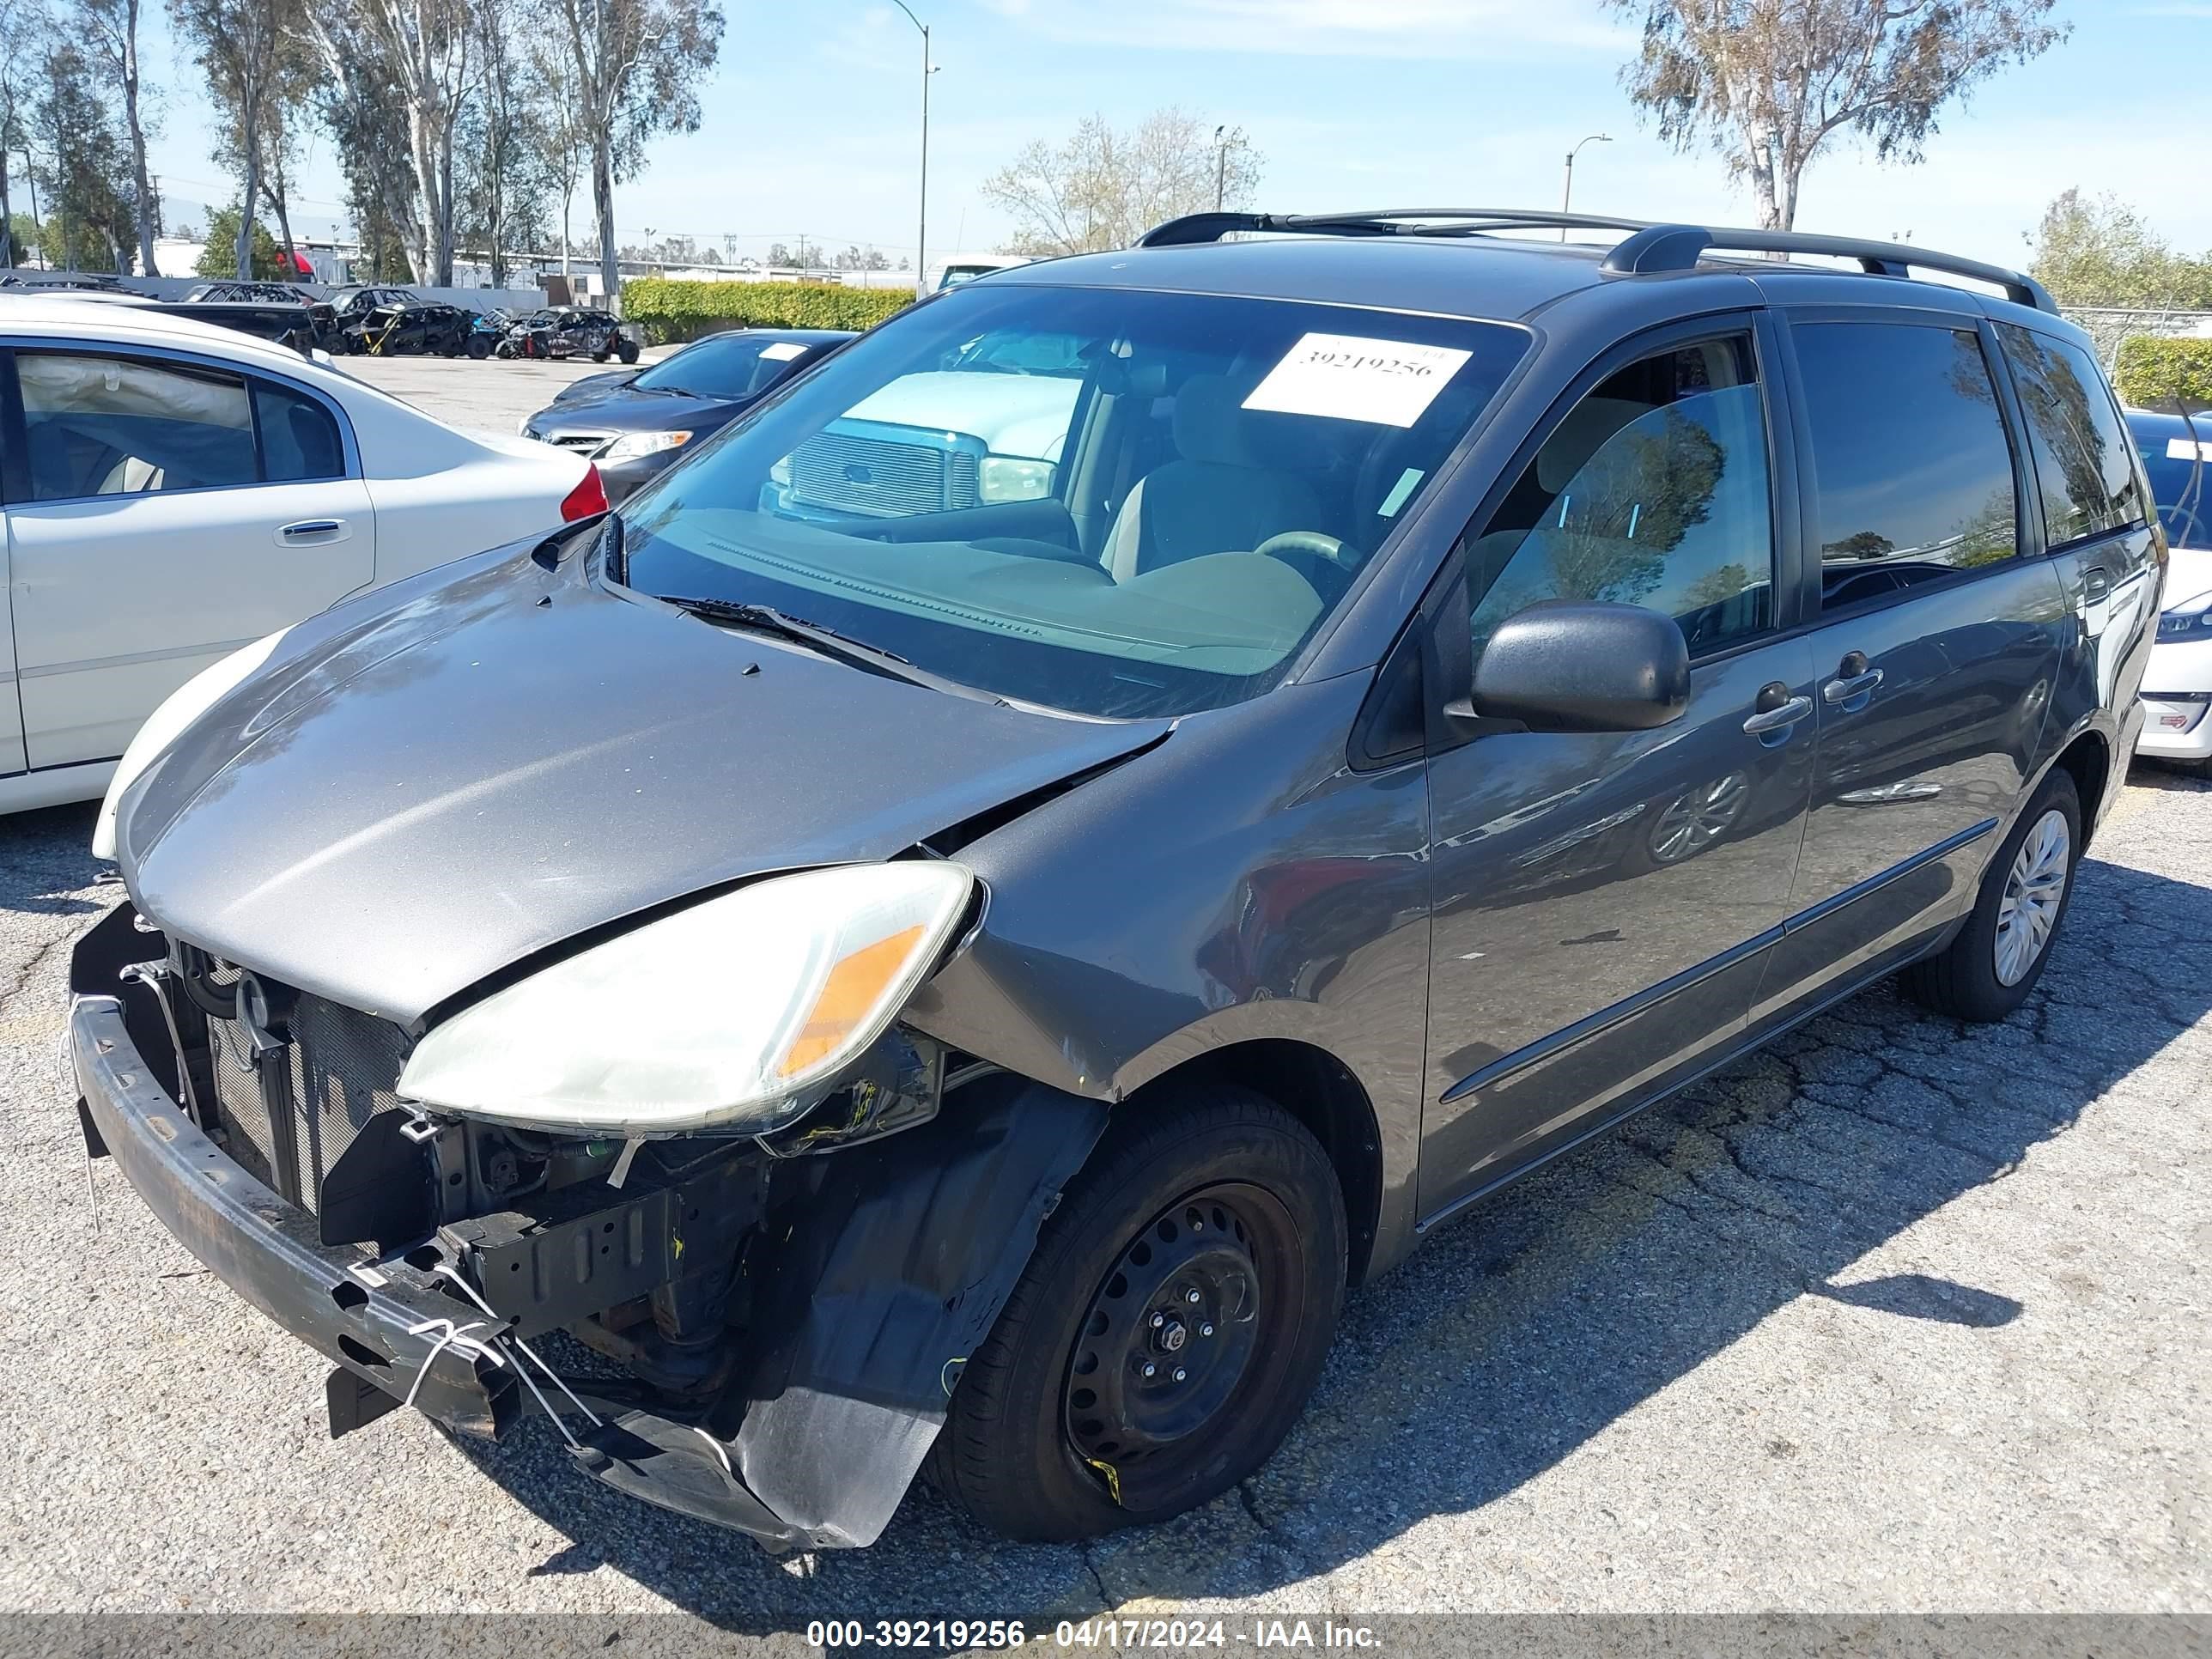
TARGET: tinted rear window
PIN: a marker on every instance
(2084, 465)
(1911, 470)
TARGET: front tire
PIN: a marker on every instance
(1205, 1241)
(1988, 970)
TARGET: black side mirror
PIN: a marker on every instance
(1569, 666)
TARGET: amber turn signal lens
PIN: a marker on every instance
(851, 989)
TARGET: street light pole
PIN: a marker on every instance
(1220, 166)
(1567, 195)
(921, 229)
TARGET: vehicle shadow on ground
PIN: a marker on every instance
(1518, 1335)
(48, 859)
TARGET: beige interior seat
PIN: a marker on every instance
(1218, 496)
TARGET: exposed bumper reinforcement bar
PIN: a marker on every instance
(356, 1313)
(878, 1298)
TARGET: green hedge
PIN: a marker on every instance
(684, 311)
(2153, 372)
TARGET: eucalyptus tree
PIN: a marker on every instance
(109, 29)
(633, 70)
(241, 47)
(1767, 82)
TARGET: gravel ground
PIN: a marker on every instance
(1900, 1316)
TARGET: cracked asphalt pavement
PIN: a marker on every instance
(1899, 1315)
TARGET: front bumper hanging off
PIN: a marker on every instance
(380, 1322)
(360, 1314)
(890, 1273)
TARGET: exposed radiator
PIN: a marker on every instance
(342, 1066)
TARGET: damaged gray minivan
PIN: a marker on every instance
(954, 926)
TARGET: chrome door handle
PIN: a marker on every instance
(1855, 685)
(1773, 720)
(308, 530)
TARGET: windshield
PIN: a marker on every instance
(2176, 464)
(1108, 501)
(733, 366)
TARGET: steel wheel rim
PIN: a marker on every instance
(2034, 889)
(1140, 1434)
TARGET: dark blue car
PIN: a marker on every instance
(635, 423)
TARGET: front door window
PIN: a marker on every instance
(1654, 491)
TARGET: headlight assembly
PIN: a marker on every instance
(2187, 624)
(733, 1014)
(632, 445)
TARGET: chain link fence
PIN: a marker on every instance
(2109, 326)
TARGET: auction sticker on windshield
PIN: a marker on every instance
(782, 351)
(1344, 378)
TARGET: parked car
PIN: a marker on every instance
(356, 301)
(2175, 450)
(176, 487)
(39, 282)
(279, 322)
(562, 331)
(636, 424)
(486, 329)
(972, 976)
(966, 269)
(983, 430)
(423, 328)
(327, 335)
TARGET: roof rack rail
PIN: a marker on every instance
(1679, 247)
(1376, 222)
(1647, 248)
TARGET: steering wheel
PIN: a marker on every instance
(1307, 541)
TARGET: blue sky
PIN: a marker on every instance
(812, 119)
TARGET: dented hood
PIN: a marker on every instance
(403, 801)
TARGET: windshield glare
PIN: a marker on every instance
(1108, 501)
(735, 366)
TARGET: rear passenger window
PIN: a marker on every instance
(1912, 475)
(110, 425)
(2083, 468)
(1653, 491)
(298, 437)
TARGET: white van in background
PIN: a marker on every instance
(966, 268)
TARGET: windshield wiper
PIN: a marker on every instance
(841, 647)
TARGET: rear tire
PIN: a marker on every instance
(1988, 970)
(1053, 1432)
(479, 348)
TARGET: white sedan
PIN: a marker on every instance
(171, 489)
(2176, 689)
